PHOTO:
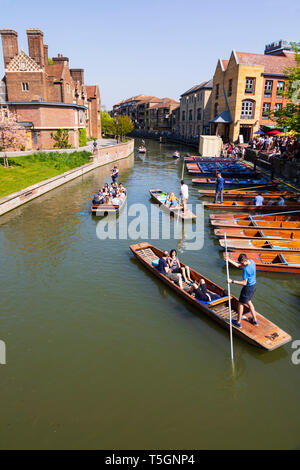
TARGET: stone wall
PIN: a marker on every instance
(284, 169)
(102, 157)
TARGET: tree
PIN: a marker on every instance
(124, 126)
(289, 116)
(108, 124)
(61, 138)
(12, 134)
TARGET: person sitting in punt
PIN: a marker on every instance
(116, 199)
(258, 200)
(176, 267)
(122, 194)
(201, 293)
(164, 268)
(281, 201)
(121, 187)
(173, 200)
(97, 199)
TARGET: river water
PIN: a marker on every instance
(101, 355)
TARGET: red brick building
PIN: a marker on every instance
(46, 94)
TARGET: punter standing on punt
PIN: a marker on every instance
(248, 290)
(219, 188)
(184, 191)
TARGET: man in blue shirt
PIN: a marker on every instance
(164, 268)
(219, 188)
(248, 290)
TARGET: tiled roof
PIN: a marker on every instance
(224, 63)
(55, 70)
(207, 84)
(272, 64)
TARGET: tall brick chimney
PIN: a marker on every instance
(36, 45)
(77, 75)
(46, 54)
(9, 44)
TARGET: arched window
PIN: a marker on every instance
(247, 109)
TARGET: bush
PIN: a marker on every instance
(82, 137)
(61, 138)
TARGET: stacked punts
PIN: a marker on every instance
(253, 233)
(250, 194)
(266, 244)
(282, 222)
(272, 262)
(235, 182)
(266, 335)
(161, 198)
(232, 205)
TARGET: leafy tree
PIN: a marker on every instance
(124, 125)
(61, 138)
(289, 116)
(108, 124)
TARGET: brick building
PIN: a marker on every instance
(246, 88)
(195, 110)
(46, 94)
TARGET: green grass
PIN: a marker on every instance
(28, 170)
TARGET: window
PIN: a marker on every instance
(266, 110)
(247, 109)
(268, 87)
(183, 115)
(216, 109)
(25, 86)
(250, 84)
(278, 106)
(230, 87)
(190, 115)
(199, 113)
(280, 89)
(217, 91)
(81, 117)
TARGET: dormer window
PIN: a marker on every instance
(25, 86)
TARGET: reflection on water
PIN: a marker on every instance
(100, 354)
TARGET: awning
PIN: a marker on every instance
(26, 123)
(224, 117)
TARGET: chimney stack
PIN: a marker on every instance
(46, 54)
(9, 45)
(36, 45)
(77, 75)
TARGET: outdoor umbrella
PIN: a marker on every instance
(259, 132)
(274, 132)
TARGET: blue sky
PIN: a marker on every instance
(155, 47)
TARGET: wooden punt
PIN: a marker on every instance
(104, 209)
(249, 194)
(272, 262)
(257, 234)
(267, 335)
(245, 206)
(259, 223)
(274, 218)
(176, 155)
(236, 182)
(266, 244)
(159, 197)
(142, 149)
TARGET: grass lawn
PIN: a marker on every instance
(37, 167)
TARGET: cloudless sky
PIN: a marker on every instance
(153, 47)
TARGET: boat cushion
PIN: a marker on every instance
(155, 262)
(283, 258)
(210, 301)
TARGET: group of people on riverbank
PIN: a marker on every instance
(285, 147)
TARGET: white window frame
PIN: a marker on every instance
(266, 109)
(247, 111)
(249, 84)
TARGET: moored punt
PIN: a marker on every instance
(270, 217)
(160, 197)
(176, 154)
(249, 194)
(257, 234)
(103, 209)
(236, 182)
(266, 335)
(142, 149)
(245, 206)
(262, 245)
(283, 222)
(272, 262)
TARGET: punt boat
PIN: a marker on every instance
(266, 335)
(268, 195)
(272, 262)
(291, 246)
(273, 222)
(142, 149)
(104, 209)
(246, 206)
(176, 154)
(235, 182)
(253, 233)
(160, 197)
